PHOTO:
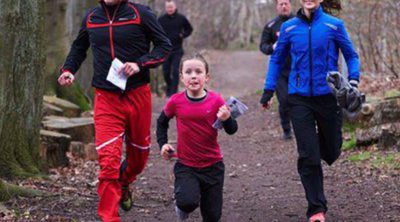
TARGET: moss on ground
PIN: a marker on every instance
(349, 144)
(8, 191)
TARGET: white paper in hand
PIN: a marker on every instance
(116, 75)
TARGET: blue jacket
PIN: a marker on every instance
(314, 46)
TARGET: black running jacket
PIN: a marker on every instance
(124, 31)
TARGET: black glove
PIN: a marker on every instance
(354, 97)
(266, 96)
(341, 96)
(349, 99)
(354, 100)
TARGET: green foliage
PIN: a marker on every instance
(349, 144)
(378, 160)
(391, 161)
(363, 156)
(259, 92)
(75, 95)
(392, 93)
(349, 127)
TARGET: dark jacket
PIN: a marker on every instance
(124, 32)
(270, 37)
(314, 48)
(177, 28)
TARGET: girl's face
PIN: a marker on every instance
(310, 4)
(194, 76)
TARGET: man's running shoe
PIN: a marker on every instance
(126, 202)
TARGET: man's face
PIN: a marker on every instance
(170, 7)
(283, 7)
(111, 2)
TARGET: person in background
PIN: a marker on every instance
(313, 38)
(268, 43)
(177, 27)
(123, 30)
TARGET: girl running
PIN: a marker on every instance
(199, 170)
(313, 38)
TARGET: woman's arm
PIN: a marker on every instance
(346, 46)
(277, 59)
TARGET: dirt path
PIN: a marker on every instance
(261, 180)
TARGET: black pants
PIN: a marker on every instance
(171, 71)
(282, 94)
(317, 124)
(204, 186)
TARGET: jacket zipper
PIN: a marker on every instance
(111, 29)
(327, 57)
(297, 79)
(310, 49)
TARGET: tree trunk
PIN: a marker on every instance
(63, 21)
(21, 85)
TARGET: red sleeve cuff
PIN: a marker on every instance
(62, 70)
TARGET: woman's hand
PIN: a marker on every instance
(266, 99)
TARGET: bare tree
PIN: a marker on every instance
(376, 27)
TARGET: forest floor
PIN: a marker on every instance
(261, 179)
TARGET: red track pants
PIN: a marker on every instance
(120, 118)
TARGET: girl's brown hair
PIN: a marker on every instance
(332, 7)
(197, 56)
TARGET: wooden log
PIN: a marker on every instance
(80, 129)
(70, 109)
(77, 149)
(367, 109)
(51, 110)
(53, 148)
(90, 152)
(369, 136)
(390, 135)
(380, 112)
(89, 113)
(385, 135)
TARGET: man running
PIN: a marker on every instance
(177, 27)
(268, 43)
(123, 30)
